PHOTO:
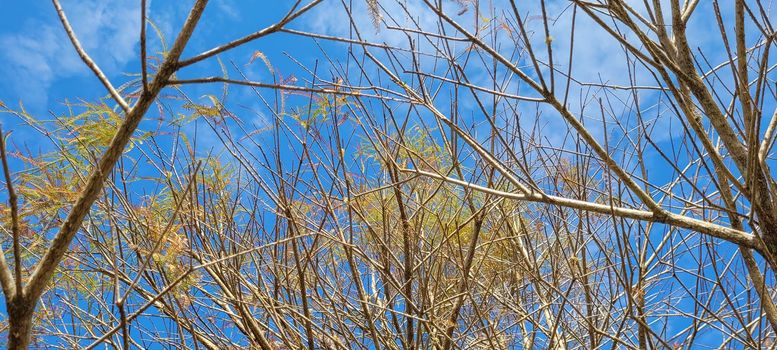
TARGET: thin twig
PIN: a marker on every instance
(163, 234)
(256, 35)
(88, 60)
(143, 65)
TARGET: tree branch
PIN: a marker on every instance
(45, 268)
(256, 35)
(88, 60)
(722, 232)
(568, 116)
(143, 69)
(7, 281)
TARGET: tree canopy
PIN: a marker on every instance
(398, 174)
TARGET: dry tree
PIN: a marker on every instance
(447, 174)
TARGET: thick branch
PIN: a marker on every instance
(671, 219)
(349, 91)
(767, 303)
(7, 281)
(568, 116)
(45, 269)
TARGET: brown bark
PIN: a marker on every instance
(20, 311)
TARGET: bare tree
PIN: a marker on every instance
(23, 293)
(446, 175)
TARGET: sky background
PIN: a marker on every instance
(42, 70)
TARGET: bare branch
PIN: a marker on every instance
(256, 35)
(143, 64)
(729, 234)
(45, 268)
(10, 284)
(88, 60)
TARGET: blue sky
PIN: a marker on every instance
(42, 69)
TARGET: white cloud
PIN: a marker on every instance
(228, 8)
(332, 19)
(40, 52)
(597, 57)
